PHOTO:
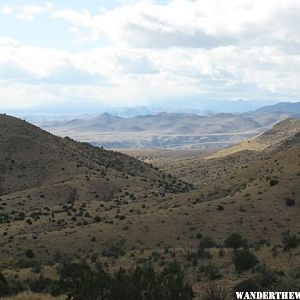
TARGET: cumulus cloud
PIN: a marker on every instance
(26, 12)
(212, 49)
(186, 23)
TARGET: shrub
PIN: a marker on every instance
(290, 202)
(235, 241)
(244, 260)
(288, 282)
(97, 219)
(207, 242)
(266, 276)
(289, 241)
(24, 263)
(29, 222)
(199, 235)
(215, 292)
(4, 287)
(247, 285)
(29, 253)
(114, 248)
(203, 253)
(221, 252)
(275, 250)
(220, 207)
(79, 282)
(211, 271)
(273, 182)
(46, 285)
(267, 279)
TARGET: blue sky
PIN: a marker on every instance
(126, 53)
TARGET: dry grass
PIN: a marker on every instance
(238, 183)
(280, 132)
(32, 296)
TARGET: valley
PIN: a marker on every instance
(63, 200)
(166, 130)
(149, 150)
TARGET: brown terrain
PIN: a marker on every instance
(68, 200)
(184, 131)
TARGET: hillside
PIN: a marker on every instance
(114, 210)
(241, 182)
(226, 161)
(288, 107)
(276, 135)
(42, 173)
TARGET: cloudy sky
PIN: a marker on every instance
(121, 52)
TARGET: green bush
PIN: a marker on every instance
(29, 253)
(289, 241)
(235, 240)
(4, 287)
(46, 285)
(220, 207)
(244, 260)
(207, 242)
(273, 182)
(79, 282)
(290, 202)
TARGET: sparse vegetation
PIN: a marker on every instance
(86, 222)
(215, 292)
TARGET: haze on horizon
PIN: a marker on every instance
(134, 53)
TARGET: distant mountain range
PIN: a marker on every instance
(281, 107)
(146, 127)
(167, 130)
(171, 123)
(189, 105)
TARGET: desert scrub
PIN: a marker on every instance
(33, 296)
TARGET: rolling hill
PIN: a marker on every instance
(31, 157)
(114, 210)
(166, 130)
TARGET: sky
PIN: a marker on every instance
(132, 53)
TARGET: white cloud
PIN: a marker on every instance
(6, 41)
(19, 95)
(128, 75)
(26, 12)
(185, 23)
(231, 49)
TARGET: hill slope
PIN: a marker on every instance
(73, 183)
(31, 157)
(116, 211)
(281, 107)
(276, 135)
